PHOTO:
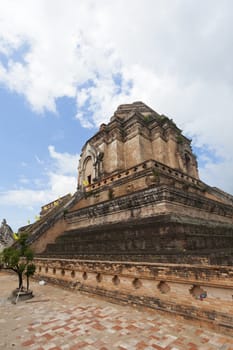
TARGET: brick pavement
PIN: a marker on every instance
(57, 319)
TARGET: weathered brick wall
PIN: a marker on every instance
(151, 201)
(49, 236)
(146, 175)
(166, 238)
(157, 224)
(131, 138)
(203, 293)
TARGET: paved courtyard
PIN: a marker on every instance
(56, 319)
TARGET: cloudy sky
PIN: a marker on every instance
(65, 66)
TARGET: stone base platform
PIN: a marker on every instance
(198, 292)
(60, 319)
(20, 295)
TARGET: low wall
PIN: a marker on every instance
(203, 294)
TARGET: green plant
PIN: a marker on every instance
(147, 117)
(162, 118)
(18, 258)
(30, 270)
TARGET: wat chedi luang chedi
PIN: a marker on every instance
(142, 227)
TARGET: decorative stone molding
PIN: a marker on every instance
(152, 196)
(173, 288)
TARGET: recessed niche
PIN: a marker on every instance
(163, 287)
(137, 283)
(197, 292)
(99, 277)
(46, 269)
(72, 274)
(63, 272)
(116, 280)
(39, 268)
(85, 275)
(54, 271)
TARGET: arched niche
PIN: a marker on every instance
(87, 169)
(188, 162)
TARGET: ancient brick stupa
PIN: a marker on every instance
(140, 198)
(141, 218)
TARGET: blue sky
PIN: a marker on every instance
(31, 145)
(65, 66)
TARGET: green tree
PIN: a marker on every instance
(18, 258)
(30, 270)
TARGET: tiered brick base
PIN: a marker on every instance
(201, 293)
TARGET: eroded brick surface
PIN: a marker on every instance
(59, 319)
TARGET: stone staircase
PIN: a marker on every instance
(37, 229)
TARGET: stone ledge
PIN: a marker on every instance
(173, 288)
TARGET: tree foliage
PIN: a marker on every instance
(18, 258)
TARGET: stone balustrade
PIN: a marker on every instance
(203, 293)
(142, 167)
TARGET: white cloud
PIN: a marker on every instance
(23, 180)
(23, 197)
(39, 161)
(65, 163)
(61, 184)
(24, 164)
(173, 55)
(23, 202)
(63, 176)
(219, 175)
